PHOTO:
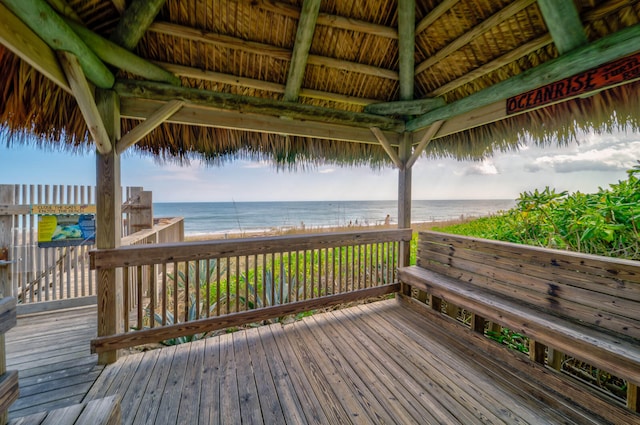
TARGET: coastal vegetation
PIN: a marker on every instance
(603, 223)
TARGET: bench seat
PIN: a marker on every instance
(583, 306)
(602, 349)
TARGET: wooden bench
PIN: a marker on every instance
(584, 306)
(8, 379)
(102, 411)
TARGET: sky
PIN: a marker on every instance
(595, 161)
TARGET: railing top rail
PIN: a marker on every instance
(143, 234)
(187, 251)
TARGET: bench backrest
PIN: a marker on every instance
(601, 291)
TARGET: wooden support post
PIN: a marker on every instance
(141, 211)
(404, 202)
(633, 401)
(108, 222)
(6, 242)
(452, 310)
(537, 351)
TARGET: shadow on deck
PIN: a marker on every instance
(375, 363)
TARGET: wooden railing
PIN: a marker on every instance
(194, 288)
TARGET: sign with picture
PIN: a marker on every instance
(66, 230)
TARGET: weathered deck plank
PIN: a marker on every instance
(380, 362)
(51, 353)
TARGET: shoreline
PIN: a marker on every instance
(416, 226)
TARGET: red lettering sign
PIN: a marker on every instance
(625, 69)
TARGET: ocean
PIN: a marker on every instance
(202, 218)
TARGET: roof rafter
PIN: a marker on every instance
(232, 80)
(433, 16)
(26, 44)
(49, 26)
(406, 47)
(495, 19)
(209, 116)
(405, 107)
(267, 49)
(326, 19)
(135, 21)
(563, 22)
(300, 54)
(606, 49)
(159, 91)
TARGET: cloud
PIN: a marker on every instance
(614, 157)
(484, 168)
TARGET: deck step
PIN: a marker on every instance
(103, 411)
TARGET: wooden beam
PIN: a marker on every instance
(234, 120)
(329, 20)
(159, 91)
(108, 223)
(387, 147)
(300, 54)
(83, 94)
(564, 24)
(424, 141)
(405, 107)
(49, 26)
(494, 20)
(404, 200)
(23, 42)
(232, 80)
(150, 124)
(406, 47)
(606, 49)
(122, 58)
(266, 49)
(495, 64)
(135, 21)
(436, 13)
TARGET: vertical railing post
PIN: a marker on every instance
(108, 223)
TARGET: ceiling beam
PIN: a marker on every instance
(494, 20)
(208, 116)
(160, 91)
(329, 20)
(49, 26)
(423, 143)
(122, 58)
(300, 54)
(406, 47)
(26, 44)
(495, 64)
(84, 97)
(134, 22)
(436, 13)
(232, 80)
(606, 49)
(564, 24)
(390, 150)
(405, 107)
(263, 49)
(150, 124)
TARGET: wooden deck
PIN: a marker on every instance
(51, 353)
(376, 363)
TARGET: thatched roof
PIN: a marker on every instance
(245, 48)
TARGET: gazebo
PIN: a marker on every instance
(298, 83)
